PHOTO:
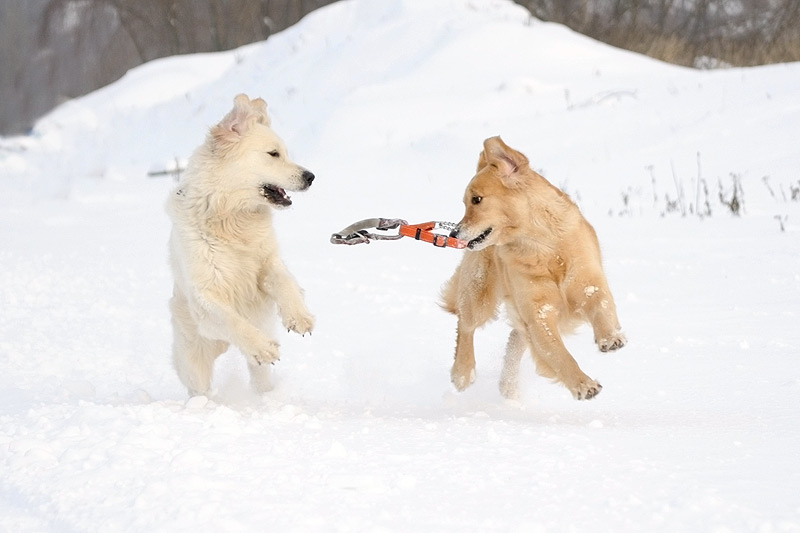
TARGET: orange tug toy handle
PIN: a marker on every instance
(424, 232)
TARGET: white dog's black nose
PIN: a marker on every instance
(308, 177)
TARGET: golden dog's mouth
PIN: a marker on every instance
(479, 239)
(275, 195)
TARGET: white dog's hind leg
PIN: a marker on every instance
(260, 376)
(509, 377)
(194, 363)
(192, 355)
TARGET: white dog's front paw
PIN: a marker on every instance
(301, 322)
(267, 353)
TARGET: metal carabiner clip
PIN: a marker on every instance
(357, 233)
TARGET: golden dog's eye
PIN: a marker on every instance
(477, 199)
(274, 153)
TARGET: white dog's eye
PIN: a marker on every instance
(477, 199)
(274, 153)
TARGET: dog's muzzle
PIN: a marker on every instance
(473, 242)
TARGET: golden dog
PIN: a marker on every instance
(532, 249)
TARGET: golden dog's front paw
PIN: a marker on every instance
(301, 323)
(462, 377)
(586, 390)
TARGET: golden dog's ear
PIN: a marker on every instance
(481, 162)
(237, 122)
(508, 161)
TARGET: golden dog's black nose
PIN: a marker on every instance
(308, 177)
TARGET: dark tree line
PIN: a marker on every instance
(54, 50)
(686, 32)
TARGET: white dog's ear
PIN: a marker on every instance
(236, 123)
(260, 107)
(507, 160)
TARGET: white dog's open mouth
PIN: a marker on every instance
(479, 239)
(276, 195)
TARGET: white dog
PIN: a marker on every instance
(223, 251)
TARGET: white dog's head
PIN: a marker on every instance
(251, 159)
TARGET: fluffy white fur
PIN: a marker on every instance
(228, 276)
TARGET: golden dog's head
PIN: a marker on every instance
(495, 200)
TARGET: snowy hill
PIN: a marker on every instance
(388, 103)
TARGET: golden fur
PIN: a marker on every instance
(223, 251)
(533, 250)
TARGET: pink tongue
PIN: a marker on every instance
(284, 198)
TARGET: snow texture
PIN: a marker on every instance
(697, 427)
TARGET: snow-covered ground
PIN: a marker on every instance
(698, 424)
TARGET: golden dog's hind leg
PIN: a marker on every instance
(509, 377)
(595, 301)
(607, 334)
